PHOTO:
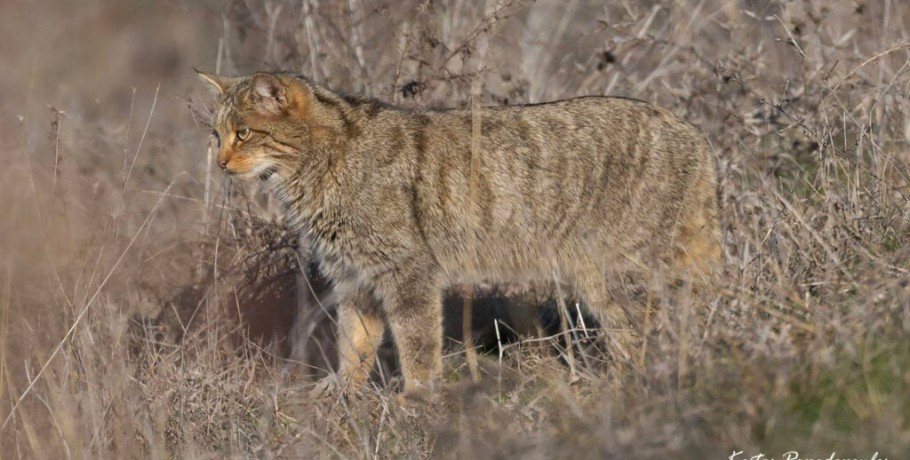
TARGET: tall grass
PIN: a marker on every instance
(145, 301)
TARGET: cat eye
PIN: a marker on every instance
(243, 134)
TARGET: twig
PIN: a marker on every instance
(792, 38)
(142, 138)
(853, 71)
(821, 241)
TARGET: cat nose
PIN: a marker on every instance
(223, 163)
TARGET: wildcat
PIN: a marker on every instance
(397, 203)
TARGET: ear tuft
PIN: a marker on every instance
(218, 84)
(269, 93)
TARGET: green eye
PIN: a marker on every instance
(243, 134)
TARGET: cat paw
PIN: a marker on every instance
(416, 400)
(326, 387)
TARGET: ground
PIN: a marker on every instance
(115, 220)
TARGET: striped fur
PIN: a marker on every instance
(579, 190)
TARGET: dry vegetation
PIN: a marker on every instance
(126, 260)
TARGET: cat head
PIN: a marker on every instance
(263, 123)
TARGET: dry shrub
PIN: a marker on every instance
(127, 262)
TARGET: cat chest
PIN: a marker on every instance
(344, 253)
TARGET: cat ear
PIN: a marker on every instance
(218, 84)
(269, 93)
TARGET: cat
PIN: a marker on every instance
(397, 203)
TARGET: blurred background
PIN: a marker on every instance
(145, 302)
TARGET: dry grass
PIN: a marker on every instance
(125, 263)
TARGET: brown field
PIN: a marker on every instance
(145, 301)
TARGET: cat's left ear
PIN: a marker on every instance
(269, 93)
(218, 84)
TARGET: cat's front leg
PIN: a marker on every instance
(360, 329)
(412, 301)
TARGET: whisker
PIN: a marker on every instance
(225, 199)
